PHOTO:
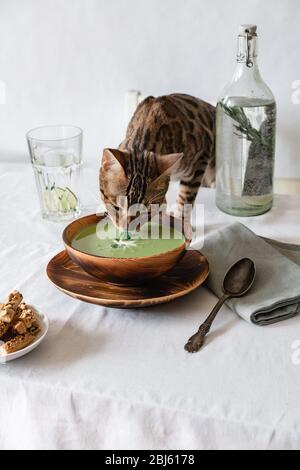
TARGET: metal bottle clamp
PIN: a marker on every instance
(249, 62)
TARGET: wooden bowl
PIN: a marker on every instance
(125, 271)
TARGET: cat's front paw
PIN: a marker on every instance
(185, 219)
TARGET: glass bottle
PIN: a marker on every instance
(245, 136)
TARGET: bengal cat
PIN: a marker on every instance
(170, 137)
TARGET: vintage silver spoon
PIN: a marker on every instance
(237, 282)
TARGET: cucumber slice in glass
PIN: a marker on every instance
(59, 200)
(71, 199)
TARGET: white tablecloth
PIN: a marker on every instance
(107, 378)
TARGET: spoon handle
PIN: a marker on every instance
(197, 340)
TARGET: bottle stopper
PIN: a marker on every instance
(248, 29)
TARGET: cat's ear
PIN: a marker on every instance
(111, 157)
(168, 164)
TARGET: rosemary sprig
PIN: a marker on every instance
(262, 146)
(244, 127)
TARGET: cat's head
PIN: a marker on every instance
(128, 178)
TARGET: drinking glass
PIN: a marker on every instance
(56, 157)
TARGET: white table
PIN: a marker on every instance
(110, 379)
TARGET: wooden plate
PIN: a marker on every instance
(189, 274)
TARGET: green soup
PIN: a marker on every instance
(106, 241)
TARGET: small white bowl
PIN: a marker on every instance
(44, 324)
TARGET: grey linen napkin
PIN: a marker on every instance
(275, 295)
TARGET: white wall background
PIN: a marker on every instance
(71, 61)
